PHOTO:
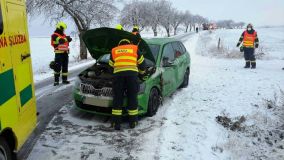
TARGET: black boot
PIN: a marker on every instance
(247, 64)
(253, 65)
(56, 80)
(282, 68)
(133, 121)
(64, 80)
(116, 120)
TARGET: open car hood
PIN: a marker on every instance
(100, 41)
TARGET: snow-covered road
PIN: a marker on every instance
(184, 127)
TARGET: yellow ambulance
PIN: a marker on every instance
(17, 97)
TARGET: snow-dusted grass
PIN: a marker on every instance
(185, 126)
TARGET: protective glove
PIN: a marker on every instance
(238, 44)
(69, 39)
(144, 75)
(62, 41)
(256, 46)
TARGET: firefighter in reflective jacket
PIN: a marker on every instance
(60, 43)
(250, 42)
(127, 63)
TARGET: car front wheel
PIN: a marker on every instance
(154, 102)
(5, 151)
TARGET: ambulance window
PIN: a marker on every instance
(1, 21)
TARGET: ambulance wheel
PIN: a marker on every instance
(5, 151)
(154, 102)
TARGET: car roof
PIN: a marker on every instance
(159, 41)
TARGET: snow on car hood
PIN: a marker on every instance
(100, 41)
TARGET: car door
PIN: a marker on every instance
(169, 70)
(180, 60)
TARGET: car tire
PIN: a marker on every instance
(185, 79)
(5, 151)
(154, 102)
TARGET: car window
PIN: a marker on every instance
(169, 52)
(182, 47)
(177, 48)
(104, 58)
(1, 20)
(155, 50)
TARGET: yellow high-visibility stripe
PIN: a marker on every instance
(110, 63)
(133, 112)
(253, 61)
(116, 70)
(58, 51)
(65, 74)
(125, 57)
(116, 112)
(56, 72)
(124, 64)
(141, 72)
(141, 59)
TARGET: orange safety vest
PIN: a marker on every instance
(249, 39)
(125, 58)
(61, 48)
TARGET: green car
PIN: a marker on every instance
(167, 61)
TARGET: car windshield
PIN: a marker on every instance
(155, 50)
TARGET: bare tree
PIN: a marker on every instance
(176, 19)
(166, 11)
(84, 13)
(135, 13)
(155, 8)
(187, 20)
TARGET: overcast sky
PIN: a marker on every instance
(258, 12)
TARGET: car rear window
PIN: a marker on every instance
(1, 20)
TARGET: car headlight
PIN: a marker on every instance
(142, 88)
(77, 83)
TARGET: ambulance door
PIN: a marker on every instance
(20, 53)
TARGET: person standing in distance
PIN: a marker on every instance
(250, 42)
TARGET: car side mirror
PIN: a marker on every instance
(166, 62)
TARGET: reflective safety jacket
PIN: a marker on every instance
(125, 58)
(249, 39)
(60, 47)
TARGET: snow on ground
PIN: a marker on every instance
(185, 126)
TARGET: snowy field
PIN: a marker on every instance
(227, 112)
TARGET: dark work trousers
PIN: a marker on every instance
(249, 57)
(61, 61)
(125, 84)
